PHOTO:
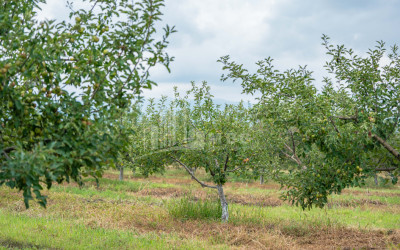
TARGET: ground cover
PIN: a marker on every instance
(171, 211)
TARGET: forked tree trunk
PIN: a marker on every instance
(224, 204)
(262, 179)
(121, 173)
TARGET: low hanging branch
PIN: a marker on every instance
(191, 173)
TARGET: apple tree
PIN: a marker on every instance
(336, 137)
(64, 85)
(194, 132)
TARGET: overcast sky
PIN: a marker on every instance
(287, 30)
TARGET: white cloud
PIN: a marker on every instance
(223, 93)
(249, 30)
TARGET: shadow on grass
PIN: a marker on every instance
(13, 244)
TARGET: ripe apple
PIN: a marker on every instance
(371, 119)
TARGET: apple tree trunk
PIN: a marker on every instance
(224, 204)
(121, 173)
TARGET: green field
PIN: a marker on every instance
(173, 212)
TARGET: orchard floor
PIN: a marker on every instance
(174, 212)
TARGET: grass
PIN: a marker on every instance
(321, 218)
(171, 211)
(26, 232)
(349, 199)
(186, 208)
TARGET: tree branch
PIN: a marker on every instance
(385, 169)
(333, 124)
(6, 155)
(293, 144)
(226, 162)
(9, 149)
(294, 157)
(291, 158)
(348, 118)
(191, 173)
(233, 170)
(387, 146)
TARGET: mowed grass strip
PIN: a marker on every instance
(21, 231)
(316, 218)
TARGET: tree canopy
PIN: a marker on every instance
(63, 85)
(334, 138)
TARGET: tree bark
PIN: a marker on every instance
(121, 173)
(387, 146)
(224, 204)
(376, 179)
(193, 171)
(262, 179)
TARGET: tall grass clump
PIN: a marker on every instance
(187, 208)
